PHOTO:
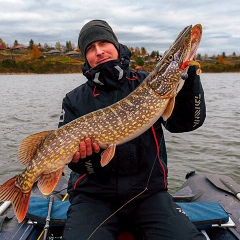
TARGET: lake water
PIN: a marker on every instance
(32, 103)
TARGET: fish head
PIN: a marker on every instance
(179, 51)
(165, 78)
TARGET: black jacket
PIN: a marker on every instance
(141, 162)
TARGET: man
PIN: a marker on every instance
(131, 191)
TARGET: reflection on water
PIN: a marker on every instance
(32, 103)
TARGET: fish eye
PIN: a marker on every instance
(170, 58)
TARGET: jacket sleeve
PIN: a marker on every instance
(189, 111)
(90, 164)
(68, 113)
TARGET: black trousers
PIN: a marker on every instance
(151, 217)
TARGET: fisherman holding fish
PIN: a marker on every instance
(130, 192)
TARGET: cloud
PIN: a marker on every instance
(150, 24)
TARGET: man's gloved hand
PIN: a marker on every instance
(87, 159)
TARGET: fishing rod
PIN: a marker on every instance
(48, 217)
(47, 225)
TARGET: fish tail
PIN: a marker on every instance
(10, 192)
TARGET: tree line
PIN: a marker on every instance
(69, 46)
(138, 53)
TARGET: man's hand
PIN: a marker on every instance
(86, 148)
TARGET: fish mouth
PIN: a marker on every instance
(181, 47)
(186, 44)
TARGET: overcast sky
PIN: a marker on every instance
(153, 24)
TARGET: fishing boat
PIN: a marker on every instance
(212, 202)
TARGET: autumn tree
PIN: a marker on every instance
(131, 49)
(69, 46)
(36, 53)
(58, 46)
(137, 51)
(143, 51)
(3, 43)
(220, 59)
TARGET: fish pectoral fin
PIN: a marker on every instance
(29, 146)
(107, 154)
(168, 111)
(10, 192)
(47, 182)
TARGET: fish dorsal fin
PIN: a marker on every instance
(168, 111)
(29, 146)
(107, 154)
(47, 182)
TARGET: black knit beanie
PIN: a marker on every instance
(96, 30)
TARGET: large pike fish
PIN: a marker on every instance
(45, 154)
